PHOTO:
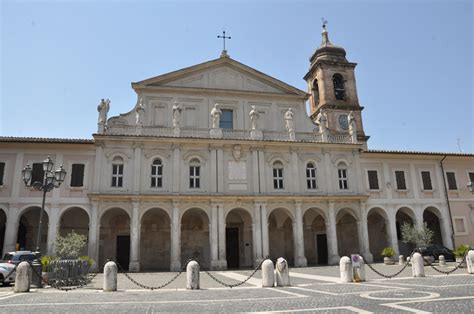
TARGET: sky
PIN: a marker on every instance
(414, 74)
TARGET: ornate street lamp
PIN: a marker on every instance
(51, 180)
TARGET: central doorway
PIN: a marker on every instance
(123, 250)
(232, 247)
(322, 247)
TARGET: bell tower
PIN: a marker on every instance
(332, 88)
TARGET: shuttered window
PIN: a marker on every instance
(400, 178)
(37, 174)
(77, 175)
(2, 172)
(451, 177)
(426, 177)
(373, 179)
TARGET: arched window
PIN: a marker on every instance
(157, 174)
(339, 90)
(277, 175)
(117, 172)
(311, 176)
(342, 177)
(194, 174)
(315, 92)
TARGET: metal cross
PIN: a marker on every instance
(325, 22)
(223, 37)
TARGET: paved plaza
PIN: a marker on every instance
(312, 289)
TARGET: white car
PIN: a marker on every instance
(7, 275)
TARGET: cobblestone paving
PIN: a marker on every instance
(434, 293)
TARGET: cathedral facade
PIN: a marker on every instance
(222, 163)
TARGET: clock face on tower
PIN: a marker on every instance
(343, 122)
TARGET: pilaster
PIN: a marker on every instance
(257, 235)
(135, 238)
(175, 238)
(221, 229)
(264, 218)
(300, 259)
(11, 229)
(333, 255)
(364, 233)
(53, 229)
(214, 237)
(94, 227)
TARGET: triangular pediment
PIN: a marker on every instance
(223, 73)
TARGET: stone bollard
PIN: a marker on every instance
(345, 267)
(470, 262)
(110, 277)
(268, 274)
(401, 260)
(23, 277)
(359, 272)
(442, 260)
(192, 275)
(282, 273)
(417, 265)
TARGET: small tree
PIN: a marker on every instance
(418, 237)
(70, 246)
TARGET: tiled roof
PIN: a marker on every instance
(14, 139)
(406, 152)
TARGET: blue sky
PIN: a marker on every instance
(414, 73)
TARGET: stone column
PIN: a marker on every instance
(257, 235)
(300, 259)
(175, 239)
(137, 170)
(11, 229)
(263, 180)
(391, 225)
(221, 228)
(333, 255)
(364, 233)
(135, 238)
(213, 171)
(93, 244)
(294, 177)
(97, 168)
(214, 237)
(53, 229)
(220, 170)
(418, 215)
(255, 172)
(265, 248)
(176, 169)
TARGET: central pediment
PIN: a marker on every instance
(223, 73)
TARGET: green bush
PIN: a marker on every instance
(388, 252)
(46, 260)
(419, 237)
(86, 258)
(70, 246)
(461, 250)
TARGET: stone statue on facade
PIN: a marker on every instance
(103, 109)
(352, 127)
(289, 120)
(215, 116)
(176, 115)
(237, 152)
(139, 112)
(321, 121)
(254, 115)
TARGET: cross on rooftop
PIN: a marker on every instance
(223, 38)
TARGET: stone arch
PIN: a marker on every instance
(195, 236)
(378, 229)
(239, 244)
(432, 217)
(315, 238)
(28, 229)
(347, 232)
(74, 218)
(3, 227)
(403, 215)
(280, 233)
(155, 239)
(114, 236)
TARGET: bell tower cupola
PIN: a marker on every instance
(332, 87)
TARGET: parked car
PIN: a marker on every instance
(436, 250)
(7, 276)
(17, 257)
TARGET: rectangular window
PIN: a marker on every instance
(451, 177)
(471, 177)
(278, 178)
(227, 119)
(400, 178)
(459, 225)
(117, 176)
(373, 180)
(37, 174)
(311, 178)
(157, 175)
(342, 175)
(426, 177)
(2, 172)
(77, 175)
(194, 177)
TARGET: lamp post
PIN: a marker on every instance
(51, 179)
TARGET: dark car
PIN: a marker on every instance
(436, 250)
(18, 257)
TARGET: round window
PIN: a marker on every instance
(343, 122)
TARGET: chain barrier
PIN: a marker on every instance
(447, 272)
(11, 272)
(392, 275)
(238, 283)
(127, 275)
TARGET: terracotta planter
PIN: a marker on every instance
(388, 260)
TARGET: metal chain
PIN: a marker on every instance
(238, 283)
(127, 275)
(11, 272)
(447, 272)
(388, 276)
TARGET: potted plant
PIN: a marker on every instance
(460, 252)
(45, 262)
(388, 254)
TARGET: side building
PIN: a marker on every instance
(221, 162)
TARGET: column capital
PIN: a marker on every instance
(298, 203)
